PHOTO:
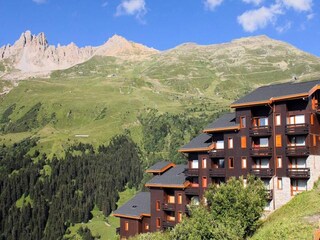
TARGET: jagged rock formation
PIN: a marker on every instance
(33, 54)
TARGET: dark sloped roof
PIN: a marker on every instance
(266, 93)
(136, 207)
(174, 176)
(160, 167)
(225, 121)
(201, 141)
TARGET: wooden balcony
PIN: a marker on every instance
(261, 151)
(297, 151)
(260, 131)
(269, 194)
(216, 153)
(293, 129)
(217, 172)
(168, 224)
(193, 191)
(168, 207)
(189, 172)
(118, 230)
(298, 172)
(262, 172)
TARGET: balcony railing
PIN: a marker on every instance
(118, 230)
(168, 206)
(297, 151)
(298, 172)
(193, 191)
(262, 172)
(216, 153)
(261, 151)
(260, 131)
(269, 194)
(168, 224)
(217, 172)
(189, 172)
(297, 129)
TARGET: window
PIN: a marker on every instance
(146, 226)
(158, 205)
(263, 122)
(260, 122)
(179, 216)
(279, 184)
(179, 198)
(296, 119)
(314, 137)
(261, 163)
(312, 119)
(230, 143)
(220, 144)
(194, 164)
(204, 182)
(243, 162)
(278, 119)
(298, 163)
(278, 140)
(170, 199)
(204, 163)
(297, 141)
(126, 226)
(242, 122)
(221, 163)
(279, 162)
(231, 162)
(158, 222)
(243, 142)
(264, 142)
(298, 185)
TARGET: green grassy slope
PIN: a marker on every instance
(104, 96)
(296, 220)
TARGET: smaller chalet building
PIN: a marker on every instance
(273, 133)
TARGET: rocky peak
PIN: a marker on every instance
(120, 47)
(27, 39)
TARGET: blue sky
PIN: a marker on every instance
(163, 24)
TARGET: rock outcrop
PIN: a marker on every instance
(33, 54)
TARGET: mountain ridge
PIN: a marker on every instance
(33, 54)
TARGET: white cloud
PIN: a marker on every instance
(39, 1)
(310, 16)
(298, 5)
(104, 4)
(212, 4)
(257, 19)
(284, 28)
(132, 7)
(255, 2)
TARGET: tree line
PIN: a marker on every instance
(65, 194)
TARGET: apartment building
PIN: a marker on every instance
(272, 133)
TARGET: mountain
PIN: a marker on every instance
(105, 94)
(32, 55)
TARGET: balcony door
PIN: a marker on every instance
(297, 141)
(298, 163)
(261, 163)
(298, 185)
(296, 119)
